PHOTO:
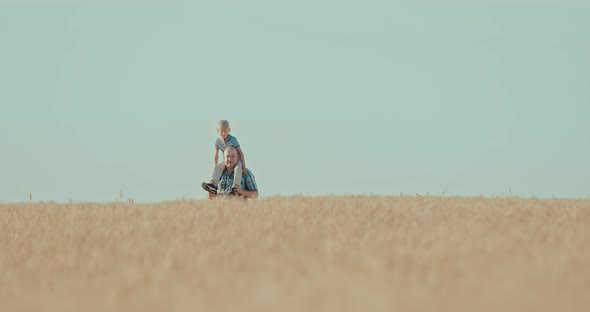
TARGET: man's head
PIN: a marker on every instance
(223, 129)
(230, 157)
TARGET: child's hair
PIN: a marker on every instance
(223, 124)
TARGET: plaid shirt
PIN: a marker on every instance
(227, 180)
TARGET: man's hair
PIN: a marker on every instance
(228, 148)
(223, 124)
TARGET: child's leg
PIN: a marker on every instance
(238, 174)
(217, 173)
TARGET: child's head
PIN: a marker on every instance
(223, 129)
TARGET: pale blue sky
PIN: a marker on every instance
(326, 97)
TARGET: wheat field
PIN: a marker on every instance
(336, 253)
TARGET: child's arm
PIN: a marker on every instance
(241, 155)
(216, 158)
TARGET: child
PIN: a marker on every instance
(225, 140)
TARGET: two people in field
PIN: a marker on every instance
(230, 177)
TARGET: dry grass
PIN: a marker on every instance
(298, 254)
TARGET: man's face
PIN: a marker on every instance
(230, 158)
(223, 132)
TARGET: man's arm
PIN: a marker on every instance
(248, 194)
(216, 158)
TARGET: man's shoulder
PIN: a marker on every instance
(249, 175)
(250, 179)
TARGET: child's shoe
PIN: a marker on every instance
(209, 187)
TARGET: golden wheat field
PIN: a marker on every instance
(338, 253)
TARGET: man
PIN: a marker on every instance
(247, 189)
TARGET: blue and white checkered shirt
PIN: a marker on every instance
(227, 180)
(221, 144)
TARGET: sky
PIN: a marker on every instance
(106, 100)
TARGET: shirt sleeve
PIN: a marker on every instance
(234, 142)
(249, 182)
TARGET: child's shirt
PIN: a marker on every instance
(220, 144)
